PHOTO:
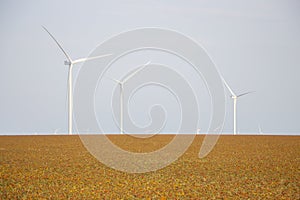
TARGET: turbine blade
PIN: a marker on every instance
(135, 72)
(115, 80)
(227, 86)
(90, 58)
(68, 57)
(245, 93)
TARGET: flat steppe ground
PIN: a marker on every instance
(239, 167)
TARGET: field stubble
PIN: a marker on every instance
(239, 167)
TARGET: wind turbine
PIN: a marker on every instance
(69, 62)
(121, 84)
(235, 98)
(55, 132)
(259, 130)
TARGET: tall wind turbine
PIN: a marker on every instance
(235, 98)
(121, 84)
(69, 62)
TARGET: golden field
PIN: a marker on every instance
(239, 167)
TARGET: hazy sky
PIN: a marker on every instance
(255, 45)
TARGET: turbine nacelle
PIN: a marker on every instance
(67, 62)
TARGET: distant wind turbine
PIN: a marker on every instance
(121, 84)
(55, 132)
(259, 130)
(70, 63)
(235, 98)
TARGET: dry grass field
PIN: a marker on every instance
(239, 167)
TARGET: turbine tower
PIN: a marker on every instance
(69, 62)
(121, 84)
(235, 98)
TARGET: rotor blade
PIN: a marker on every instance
(135, 72)
(227, 86)
(245, 93)
(68, 57)
(115, 80)
(90, 58)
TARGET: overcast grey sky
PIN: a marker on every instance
(255, 45)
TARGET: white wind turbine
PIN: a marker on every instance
(259, 130)
(121, 84)
(235, 98)
(70, 63)
(55, 132)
